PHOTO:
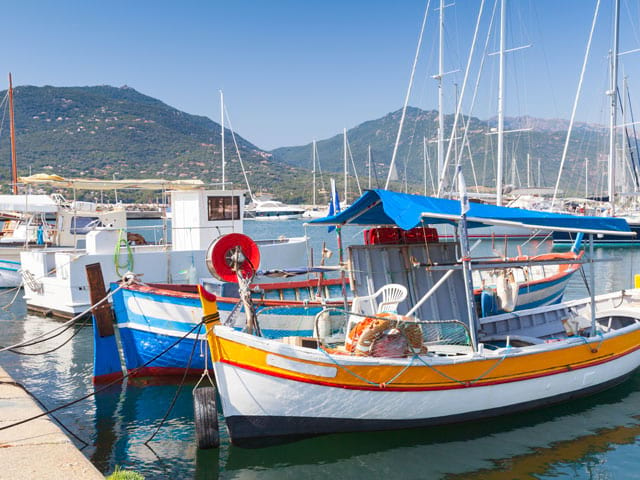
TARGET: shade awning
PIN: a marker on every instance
(383, 207)
(28, 204)
(96, 184)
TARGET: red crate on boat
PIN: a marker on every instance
(383, 236)
(421, 235)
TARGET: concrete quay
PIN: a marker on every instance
(39, 448)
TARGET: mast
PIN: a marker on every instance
(222, 135)
(369, 157)
(424, 163)
(613, 108)
(499, 166)
(346, 165)
(441, 92)
(14, 163)
(314, 172)
(586, 177)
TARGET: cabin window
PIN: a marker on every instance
(223, 208)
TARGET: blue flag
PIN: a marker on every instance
(334, 204)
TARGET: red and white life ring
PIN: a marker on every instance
(220, 256)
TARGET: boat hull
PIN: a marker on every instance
(159, 327)
(285, 429)
(274, 393)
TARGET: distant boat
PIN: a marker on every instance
(273, 210)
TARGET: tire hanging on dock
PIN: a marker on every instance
(205, 416)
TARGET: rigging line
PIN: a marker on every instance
(626, 140)
(353, 164)
(633, 125)
(39, 402)
(104, 387)
(178, 390)
(235, 143)
(406, 99)
(575, 104)
(461, 98)
(29, 354)
(65, 324)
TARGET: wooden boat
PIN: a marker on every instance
(432, 364)
(151, 317)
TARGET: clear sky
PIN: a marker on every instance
(293, 71)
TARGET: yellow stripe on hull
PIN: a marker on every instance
(426, 372)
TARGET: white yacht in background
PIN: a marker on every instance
(273, 210)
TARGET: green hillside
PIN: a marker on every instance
(105, 131)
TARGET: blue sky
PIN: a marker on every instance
(293, 71)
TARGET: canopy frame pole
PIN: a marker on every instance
(466, 268)
(592, 279)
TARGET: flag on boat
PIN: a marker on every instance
(462, 191)
(334, 204)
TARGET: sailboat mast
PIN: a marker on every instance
(222, 136)
(500, 161)
(346, 165)
(369, 156)
(441, 93)
(314, 172)
(613, 108)
(14, 163)
(424, 163)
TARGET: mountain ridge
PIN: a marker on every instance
(104, 131)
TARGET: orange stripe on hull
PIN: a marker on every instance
(467, 373)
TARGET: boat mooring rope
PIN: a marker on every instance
(179, 389)
(37, 400)
(104, 387)
(66, 324)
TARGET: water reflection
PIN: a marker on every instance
(599, 434)
(457, 451)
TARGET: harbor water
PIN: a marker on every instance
(595, 437)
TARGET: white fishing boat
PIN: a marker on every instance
(428, 360)
(56, 282)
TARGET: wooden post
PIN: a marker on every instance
(106, 357)
(97, 291)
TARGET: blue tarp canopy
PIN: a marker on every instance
(382, 207)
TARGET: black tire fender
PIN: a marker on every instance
(205, 415)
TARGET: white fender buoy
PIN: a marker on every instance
(506, 291)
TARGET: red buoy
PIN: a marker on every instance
(221, 253)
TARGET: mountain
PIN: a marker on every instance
(107, 132)
(543, 142)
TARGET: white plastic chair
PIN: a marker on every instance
(391, 295)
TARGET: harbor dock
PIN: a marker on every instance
(39, 448)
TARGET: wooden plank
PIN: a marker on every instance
(97, 291)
